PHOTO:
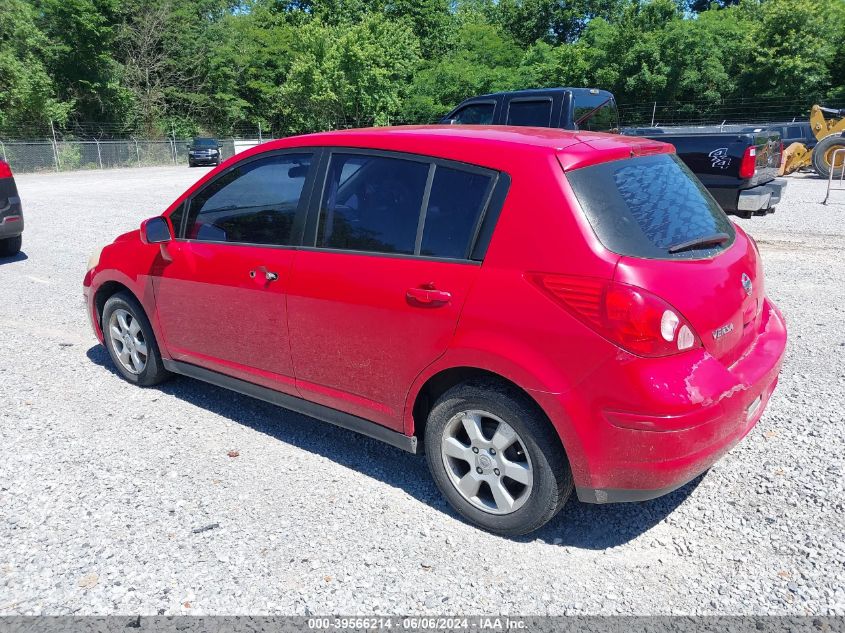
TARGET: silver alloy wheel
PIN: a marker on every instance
(127, 341)
(487, 462)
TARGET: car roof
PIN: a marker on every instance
(489, 140)
(531, 92)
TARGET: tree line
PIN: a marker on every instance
(159, 67)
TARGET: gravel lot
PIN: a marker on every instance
(102, 485)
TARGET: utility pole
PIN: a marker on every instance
(260, 140)
(653, 113)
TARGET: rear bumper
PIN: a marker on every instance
(761, 197)
(715, 438)
(204, 160)
(656, 424)
(11, 219)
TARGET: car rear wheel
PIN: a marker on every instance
(130, 341)
(496, 458)
(11, 246)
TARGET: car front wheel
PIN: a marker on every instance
(496, 458)
(130, 341)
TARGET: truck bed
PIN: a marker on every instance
(715, 158)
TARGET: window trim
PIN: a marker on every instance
(312, 224)
(549, 100)
(301, 209)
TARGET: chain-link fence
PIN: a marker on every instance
(67, 155)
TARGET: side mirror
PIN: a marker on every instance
(155, 231)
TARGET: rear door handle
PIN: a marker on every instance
(429, 296)
(269, 275)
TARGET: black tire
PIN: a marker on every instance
(552, 477)
(821, 149)
(191, 163)
(153, 372)
(11, 246)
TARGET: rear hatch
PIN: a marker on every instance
(677, 243)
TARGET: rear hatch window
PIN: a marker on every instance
(651, 207)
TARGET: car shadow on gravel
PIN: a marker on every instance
(580, 525)
(19, 257)
(598, 527)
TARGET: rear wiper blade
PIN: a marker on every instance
(704, 240)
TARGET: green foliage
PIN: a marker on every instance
(28, 95)
(351, 76)
(801, 40)
(70, 156)
(483, 60)
(78, 55)
(159, 67)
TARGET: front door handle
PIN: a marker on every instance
(269, 275)
(428, 295)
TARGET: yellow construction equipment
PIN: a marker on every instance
(831, 136)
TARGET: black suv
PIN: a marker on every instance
(203, 151)
(11, 215)
(790, 132)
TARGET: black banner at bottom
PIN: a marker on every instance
(456, 623)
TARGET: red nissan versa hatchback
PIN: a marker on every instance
(538, 309)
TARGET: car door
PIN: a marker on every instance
(377, 295)
(221, 296)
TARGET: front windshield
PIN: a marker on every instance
(205, 142)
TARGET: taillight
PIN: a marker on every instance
(748, 166)
(5, 170)
(631, 317)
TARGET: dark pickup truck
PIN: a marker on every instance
(738, 168)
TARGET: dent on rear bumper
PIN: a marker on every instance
(683, 414)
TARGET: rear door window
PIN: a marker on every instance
(534, 112)
(650, 207)
(454, 208)
(372, 203)
(406, 205)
